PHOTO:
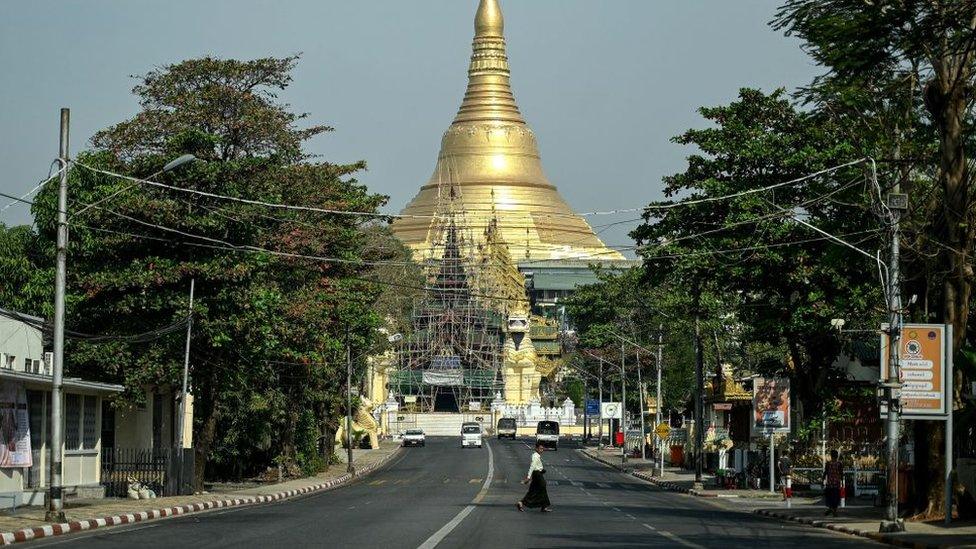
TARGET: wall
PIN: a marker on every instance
(21, 341)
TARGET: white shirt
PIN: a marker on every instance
(536, 464)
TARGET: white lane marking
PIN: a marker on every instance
(603, 485)
(675, 538)
(446, 530)
(631, 517)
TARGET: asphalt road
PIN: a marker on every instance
(438, 496)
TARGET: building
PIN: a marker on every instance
(25, 400)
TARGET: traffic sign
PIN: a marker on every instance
(592, 407)
(662, 430)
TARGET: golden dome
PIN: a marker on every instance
(489, 166)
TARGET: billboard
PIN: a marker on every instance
(15, 442)
(923, 367)
(611, 410)
(771, 405)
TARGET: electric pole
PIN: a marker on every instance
(599, 383)
(660, 350)
(180, 428)
(699, 392)
(896, 204)
(349, 467)
(55, 505)
(640, 387)
(623, 405)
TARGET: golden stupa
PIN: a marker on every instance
(489, 167)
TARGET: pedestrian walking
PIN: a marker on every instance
(833, 475)
(785, 466)
(537, 496)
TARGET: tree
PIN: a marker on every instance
(622, 303)
(776, 282)
(277, 289)
(928, 46)
(25, 286)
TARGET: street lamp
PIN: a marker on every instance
(168, 167)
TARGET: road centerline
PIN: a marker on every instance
(446, 530)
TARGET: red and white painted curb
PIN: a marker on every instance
(876, 536)
(50, 530)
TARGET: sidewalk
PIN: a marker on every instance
(864, 521)
(858, 520)
(674, 479)
(88, 514)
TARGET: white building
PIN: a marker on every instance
(25, 401)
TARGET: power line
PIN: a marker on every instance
(651, 207)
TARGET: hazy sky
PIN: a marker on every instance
(604, 83)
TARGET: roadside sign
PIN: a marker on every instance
(662, 430)
(771, 405)
(922, 367)
(592, 407)
(611, 410)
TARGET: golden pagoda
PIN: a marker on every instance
(489, 165)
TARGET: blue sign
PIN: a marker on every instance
(592, 407)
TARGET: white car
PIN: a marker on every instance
(414, 437)
(471, 435)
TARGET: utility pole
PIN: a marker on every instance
(660, 350)
(623, 405)
(349, 467)
(180, 432)
(699, 392)
(896, 203)
(55, 505)
(640, 387)
(599, 383)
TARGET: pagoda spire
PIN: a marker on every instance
(489, 95)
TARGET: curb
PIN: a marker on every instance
(669, 486)
(875, 536)
(50, 530)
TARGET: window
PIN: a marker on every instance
(32, 365)
(79, 422)
(89, 437)
(9, 362)
(72, 421)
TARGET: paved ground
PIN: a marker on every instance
(438, 496)
(77, 510)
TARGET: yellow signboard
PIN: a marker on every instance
(662, 430)
(922, 369)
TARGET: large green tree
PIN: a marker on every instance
(780, 281)
(918, 60)
(277, 290)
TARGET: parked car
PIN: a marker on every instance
(471, 434)
(414, 437)
(507, 427)
(547, 433)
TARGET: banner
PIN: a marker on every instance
(771, 405)
(444, 378)
(15, 442)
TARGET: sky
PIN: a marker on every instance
(605, 84)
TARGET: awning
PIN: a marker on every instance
(67, 383)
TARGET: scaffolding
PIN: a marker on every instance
(452, 360)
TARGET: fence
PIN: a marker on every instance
(157, 469)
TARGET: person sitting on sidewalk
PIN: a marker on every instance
(833, 475)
